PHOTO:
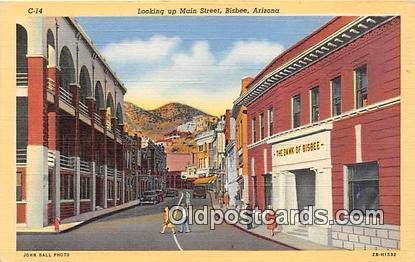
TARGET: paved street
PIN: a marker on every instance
(138, 229)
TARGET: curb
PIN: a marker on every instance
(252, 233)
(85, 222)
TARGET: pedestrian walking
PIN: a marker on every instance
(271, 221)
(187, 198)
(250, 214)
(184, 227)
(226, 199)
(167, 223)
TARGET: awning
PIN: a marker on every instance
(205, 180)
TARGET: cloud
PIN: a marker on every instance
(252, 52)
(141, 51)
(194, 75)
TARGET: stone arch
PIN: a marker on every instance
(99, 97)
(85, 84)
(67, 75)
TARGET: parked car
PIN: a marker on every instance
(199, 191)
(160, 195)
(150, 197)
(172, 192)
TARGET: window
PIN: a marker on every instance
(85, 187)
(363, 186)
(200, 148)
(254, 130)
(270, 121)
(261, 126)
(19, 193)
(67, 187)
(110, 189)
(315, 103)
(119, 189)
(361, 86)
(296, 110)
(336, 96)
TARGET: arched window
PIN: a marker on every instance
(110, 104)
(99, 97)
(85, 83)
(51, 48)
(66, 64)
(119, 114)
(21, 52)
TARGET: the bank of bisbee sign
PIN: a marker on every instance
(312, 146)
(306, 148)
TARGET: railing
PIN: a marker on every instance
(51, 158)
(118, 133)
(119, 173)
(21, 80)
(21, 157)
(67, 162)
(51, 86)
(84, 166)
(83, 109)
(108, 125)
(110, 171)
(66, 96)
(100, 171)
(97, 119)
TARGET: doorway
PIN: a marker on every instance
(305, 182)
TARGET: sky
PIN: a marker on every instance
(198, 61)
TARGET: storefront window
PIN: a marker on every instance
(268, 190)
(85, 188)
(296, 110)
(363, 183)
(315, 104)
(67, 187)
(361, 86)
(336, 100)
(19, 195)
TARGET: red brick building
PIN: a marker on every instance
(73, 155)
(324, 130)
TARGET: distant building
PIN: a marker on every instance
(153, 166)
(187, 127)
(230, 169)
(177, 163)
(204, 123)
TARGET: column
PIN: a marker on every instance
(104, 150)
(123, 187)
(92, 149)
(53, 140)
(37, 150)
(93, 186)
(323, 198)
(114, 127)
(75, 90)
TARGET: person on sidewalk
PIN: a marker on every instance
(250, 214)
(271, 221)
(184, 227)
(167, 223)
(220, 199)
(226, 199)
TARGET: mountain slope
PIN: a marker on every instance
(157, 122)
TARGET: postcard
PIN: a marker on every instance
(206, 130)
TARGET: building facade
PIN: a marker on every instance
(177, 163)
(324, 130)
(71, 145)
(153, 166)
(230, 169)
(239, 113)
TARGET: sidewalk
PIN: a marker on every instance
(76, 221)
(279, 237)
